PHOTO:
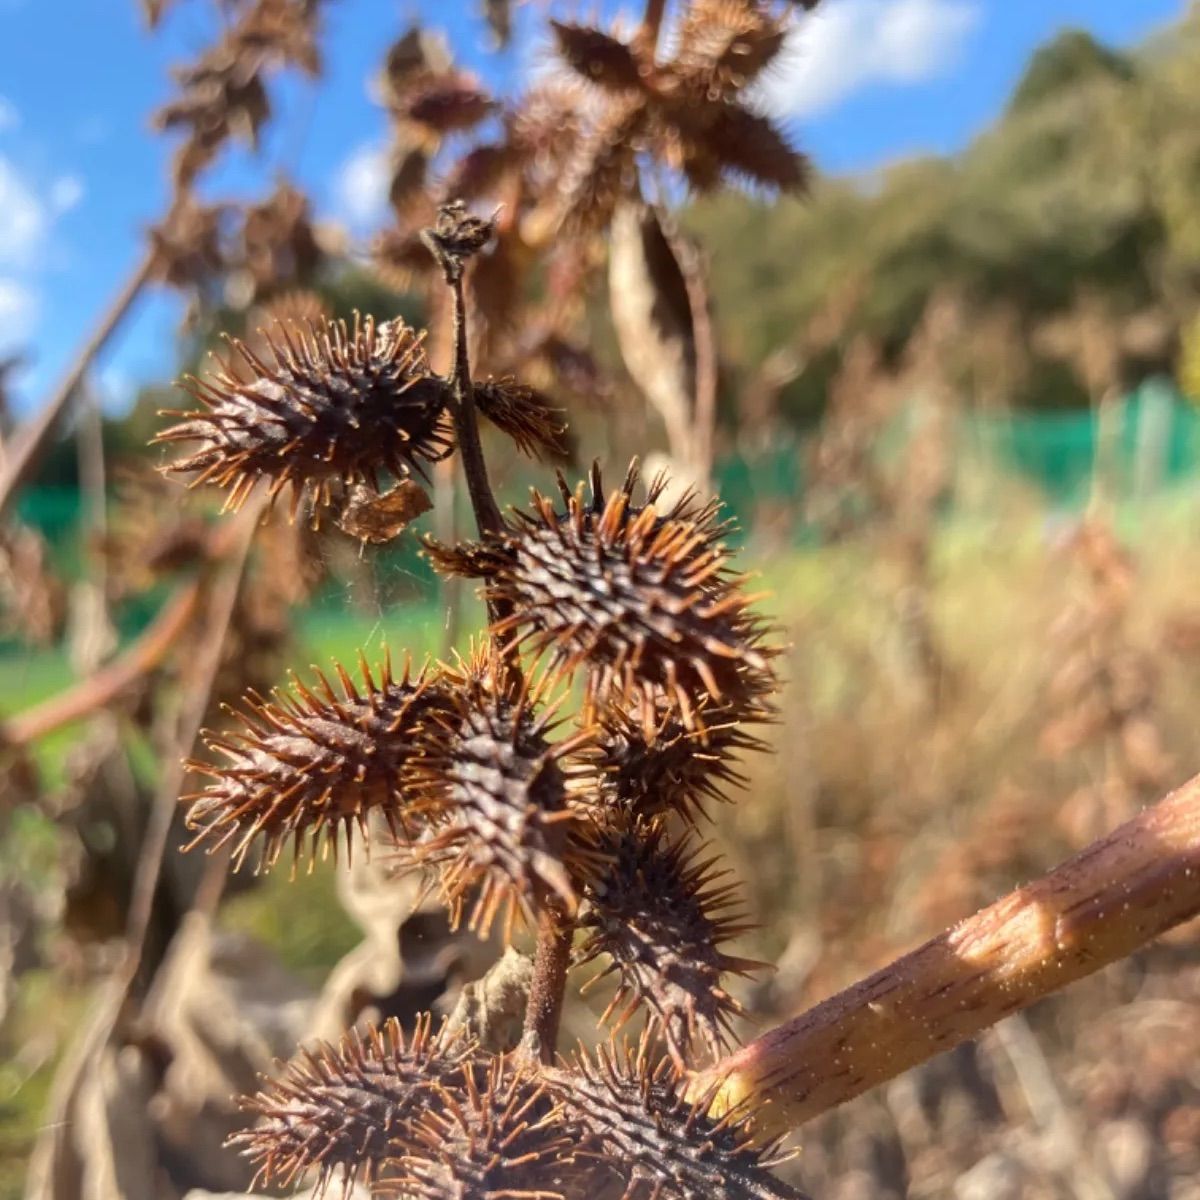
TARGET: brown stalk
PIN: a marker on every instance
(27, 446)
(1096, 908)
(223, 597)
(543, 1013)
(704, 339)
(556, 930)
(109, 682)
(651, 26)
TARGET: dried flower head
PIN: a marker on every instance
(456, 236)
(492, 1135)
(348, 1110)
(598, 57)
(325, 409)
(724, 45)
(659, 1145)
(528, 417)
(688, 112)
(660, 913)
(314, 763)
(646, 602)
(496, 797)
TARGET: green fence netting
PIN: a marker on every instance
(1148, 441)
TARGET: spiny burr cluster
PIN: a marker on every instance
(333, 405)
(532, 804)
(328, 407)
(644, 603)
(659, 913)
(314, 763)
(433, 1117)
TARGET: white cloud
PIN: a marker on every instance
(22, 218)
(9, 117)
(360, 188)
(18, 313)
(847, 45)
(65, 193)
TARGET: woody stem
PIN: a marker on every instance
(555, 929)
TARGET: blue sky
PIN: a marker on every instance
(866, 82)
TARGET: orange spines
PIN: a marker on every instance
(314, 763)
(326, 408)
(652, 765)
(660, 913)
(644, 602)
(656, 1144)
(349, 1110)
(496, 799)
(495, 1133)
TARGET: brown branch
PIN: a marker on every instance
(26, 446)
(123, 672)
(648, 31)
(222, 599)
(452, 241)
(1100, 906)
(543, 1014)
(466, 424)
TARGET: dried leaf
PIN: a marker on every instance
(372, 517)
(650, 310)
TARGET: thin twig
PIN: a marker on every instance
(123, 672)
(28, 444)
(158, 828)
(1096, 908)
(455, 238)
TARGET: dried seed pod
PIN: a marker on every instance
(645, 602)
(280, 247)
(331, 407)
(315, 763)
(657, 1144)
(528, 417)
(499, 1134)
(456, 236)
(751, 150)
(599, 171)
(596, 56)
(442, 105)
(347, 1110)
(724, 45)
(660, 913)
(496, 795)
(659, 767)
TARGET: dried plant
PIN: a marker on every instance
(550, 786)
(549, 831)
(584, 838)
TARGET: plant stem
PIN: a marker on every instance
(556, 932)
(26, 446)
(555, 929)
(1099, 906)
(107, 684)
(466, 424)
(652, 19)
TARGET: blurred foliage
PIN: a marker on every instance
(1082, 198)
